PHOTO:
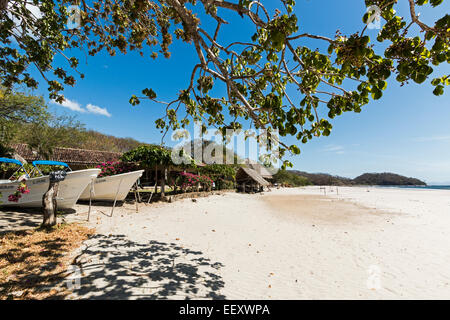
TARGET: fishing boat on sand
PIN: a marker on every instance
(112, 188)
(32, 189)
(109, 188)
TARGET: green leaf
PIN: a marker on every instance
(134, 100)
(376, 93)
(439, 90)
(294, 149)
(149, 93)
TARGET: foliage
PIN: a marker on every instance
(256, 72)
(285, 177)
(94, 140)
(149, 156)
(5, 151)
(219, 170)
(16, 110)
(22, 107)
(224, 184)
(110, 168)
(223, 175)
(14, 170)
(154, 155)
(67, 132)
(57, 131)
(189, 180)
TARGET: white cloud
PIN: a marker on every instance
(75, 106)
(334, 148)
(98, 110)
(72, 105)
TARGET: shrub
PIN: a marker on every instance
(187, 180)
(224, 184)
(110, 168)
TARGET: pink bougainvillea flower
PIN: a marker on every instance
(13, 198)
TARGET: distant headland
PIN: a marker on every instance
(373, 179)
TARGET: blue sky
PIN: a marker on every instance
(406, 132)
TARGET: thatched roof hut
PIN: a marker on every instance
(258, 167)
(76, 158)
(248, 178)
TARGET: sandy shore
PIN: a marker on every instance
(286, 244)
(363, 243)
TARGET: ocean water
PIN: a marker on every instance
(419, 187)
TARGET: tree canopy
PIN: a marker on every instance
(149, 156)
(22, 107)
(257, 73)
(16, 110)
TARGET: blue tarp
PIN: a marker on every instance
(49, 163)
(7, 160)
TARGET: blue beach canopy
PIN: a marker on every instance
(7, 160)
(49, 163)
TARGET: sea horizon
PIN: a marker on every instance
(434, 186)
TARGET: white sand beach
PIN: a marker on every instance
(365, 243)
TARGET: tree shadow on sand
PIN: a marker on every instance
(113, 267)
(17, 219)
(12, 219)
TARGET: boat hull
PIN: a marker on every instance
(69, 190)
(105, 188)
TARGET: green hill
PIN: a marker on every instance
(387, 179)
(380, 179)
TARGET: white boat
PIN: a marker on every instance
(69, 191)
(112, 188)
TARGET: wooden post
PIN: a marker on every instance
(49, 204)
(90, 201)
(135, 197)
(115, 198)
(156, 179)
(163, 183)
(91, 187)
(151, 194)
(137, 190)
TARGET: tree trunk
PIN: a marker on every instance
(49, 205)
